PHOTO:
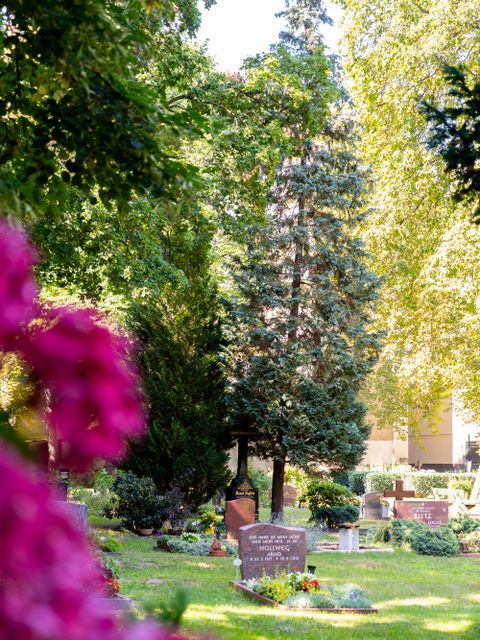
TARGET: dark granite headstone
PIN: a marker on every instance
(238, 514)
(271, 548)
(434, 513)
(78, 514)
(371, 506)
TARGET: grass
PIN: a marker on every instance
(417, 596)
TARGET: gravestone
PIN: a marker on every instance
(269, 548)
(77, 513)
(238, 513)
(433, 513)
(372, 506)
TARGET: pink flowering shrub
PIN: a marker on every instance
(94, 401)
(46, 570)
(48, 576)
(18, 288)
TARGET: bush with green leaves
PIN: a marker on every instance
(358, 482)
(263, 482)
(188, 536)
(402, 532)
(435, 542)
(462, 482)
(175, 544)
(325, 493)
(380, 481)
(109, 544)
(464, 525)
(277, 587)
(139, 505)
(330, 503)
(333, 516)
(422, 482)
(471, 541)
(99, 497)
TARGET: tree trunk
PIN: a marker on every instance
(277, 489)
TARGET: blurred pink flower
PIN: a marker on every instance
(46, 570)
(18, 288)
(94, 401)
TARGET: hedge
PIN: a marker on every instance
(422, 482)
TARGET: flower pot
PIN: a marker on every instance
(145, 532)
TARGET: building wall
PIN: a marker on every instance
(433, 445)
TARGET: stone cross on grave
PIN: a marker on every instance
(399, 492)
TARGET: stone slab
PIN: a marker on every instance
(78, 513)
(270, 548)
(372, 506)
(238, 513)
(433, 513)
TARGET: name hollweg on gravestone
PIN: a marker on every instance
(270, 548)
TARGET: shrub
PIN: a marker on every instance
(109, 544)
(296, 477)
(436, 542)
(424, 482)
(380, 481)
(276, 588)
(263, 482)
(208, 518)
(358, 482)
(325, 493)
(139, 506)
(471, 541)
(402, 532)
(175, 544)
(188, 536)
(462, 482)
(350, 596)
(173, 507)
(333, 516)
(463, 525)
(341, 477)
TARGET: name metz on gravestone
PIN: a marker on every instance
(271, 548)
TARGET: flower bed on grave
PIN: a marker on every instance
(304, 591)
(193, 544)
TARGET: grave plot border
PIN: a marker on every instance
(253, 595)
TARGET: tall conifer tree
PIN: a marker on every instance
(304, 345)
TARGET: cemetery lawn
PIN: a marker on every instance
(417, 596)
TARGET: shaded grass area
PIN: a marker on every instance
(417, 596)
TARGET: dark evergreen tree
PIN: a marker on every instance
(304, 345)
(180, 341)
(456, 133)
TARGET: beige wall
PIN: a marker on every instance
(433, 447)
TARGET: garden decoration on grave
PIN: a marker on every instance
(217, 549)
(192, 544)
(299, 590)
